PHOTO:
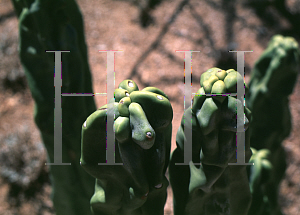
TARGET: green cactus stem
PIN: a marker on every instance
(259, 176)
(58, 25)
(142, 143)
(214, 187)
(272, 81)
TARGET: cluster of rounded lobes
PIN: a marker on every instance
(218, 81)
(210, 108)
(144, 117)
(140, 113)
(142, 127)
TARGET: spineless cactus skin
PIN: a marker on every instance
(143, 129)
(214, 187)
(273, 79)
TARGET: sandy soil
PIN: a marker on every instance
(212, 27)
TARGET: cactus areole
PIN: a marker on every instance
(142, 128)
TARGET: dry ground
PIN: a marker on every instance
(212, 27)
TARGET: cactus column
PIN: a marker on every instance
(142, 143)
(57, 25)
(272, 81)
(214, 187)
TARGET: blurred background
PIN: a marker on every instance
(148, 32)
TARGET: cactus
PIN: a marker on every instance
(259, 176)
(143, 129)
(57, 25)
(214, 187)
(272, 81)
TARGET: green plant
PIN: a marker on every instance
(57, 25)
(214, 187)
(142, 143)
(259, 176)
(272, 81)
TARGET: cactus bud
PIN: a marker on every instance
(122, 129)
(219, 88)
(221, 74)
(231, 81)
(123, 106)
(157, 108)
(155, 90)
(206, 75)
(128, 85)
(141, 128)
(120, 93)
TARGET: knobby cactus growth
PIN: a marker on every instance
(260, 174)
(214, 187)
(142, 143)
(272, 81)
(57, 25)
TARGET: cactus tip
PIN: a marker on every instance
(149, 135)
(130, 84)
